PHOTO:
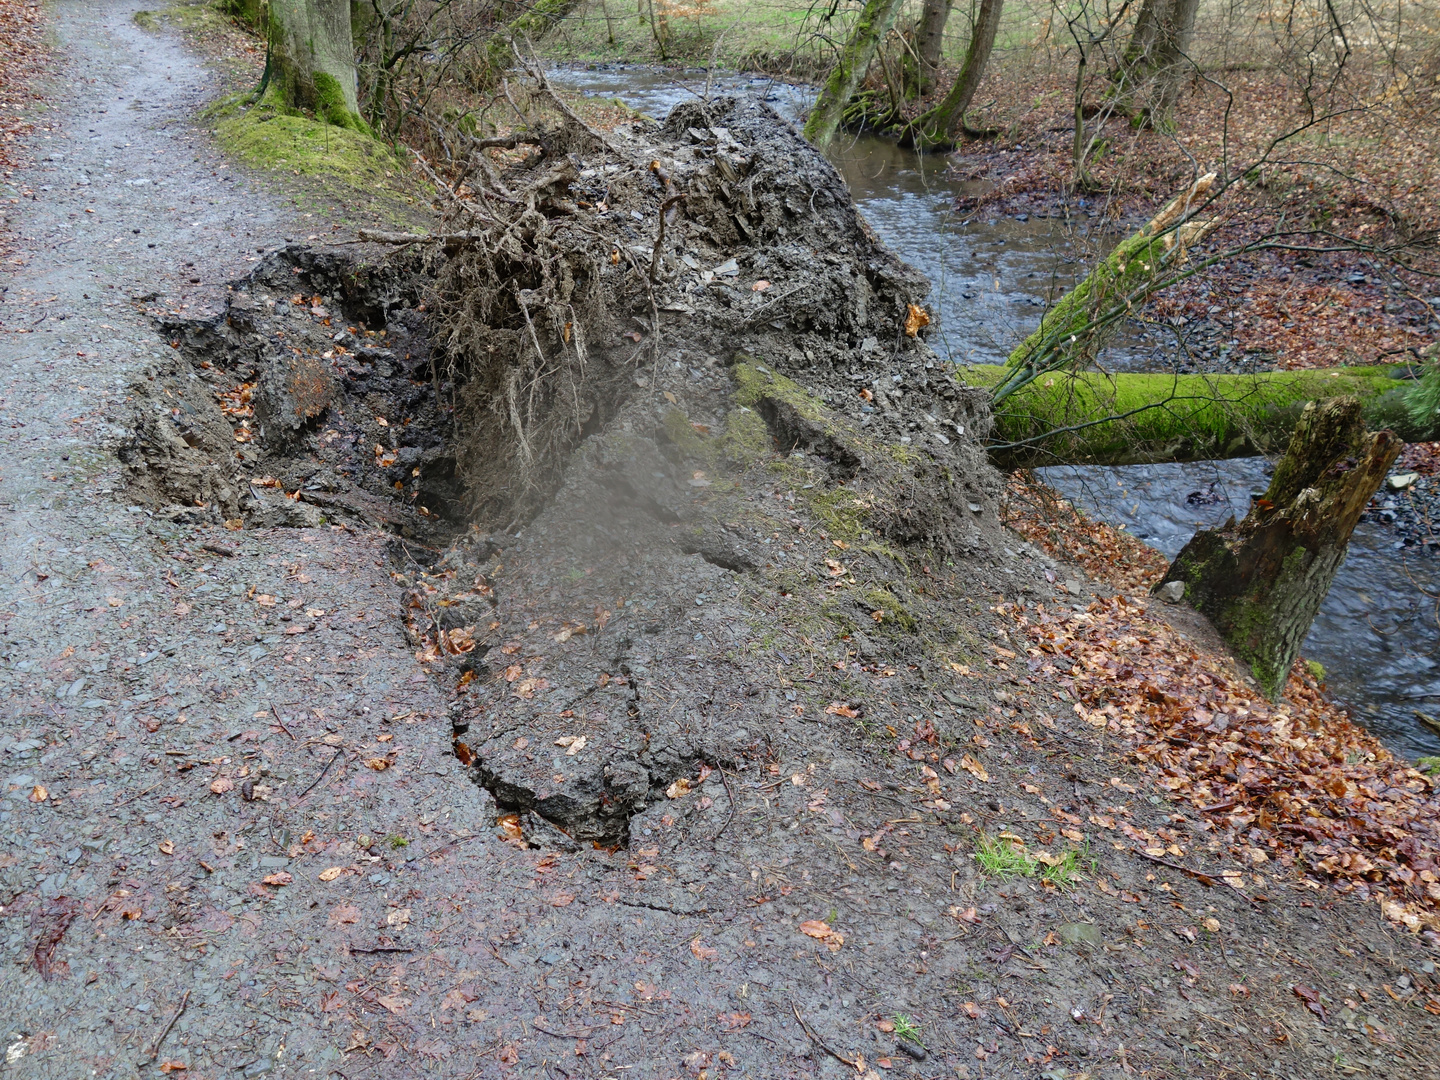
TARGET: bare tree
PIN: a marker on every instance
(945, 123)
(875, 21)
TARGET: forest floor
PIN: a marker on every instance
(240, 839)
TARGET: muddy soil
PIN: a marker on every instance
(702, 795)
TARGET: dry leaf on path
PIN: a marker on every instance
(704, 952)
(974, 768)
(331, 873)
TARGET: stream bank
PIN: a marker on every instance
(992, 276)
(238, 840)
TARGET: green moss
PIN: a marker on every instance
(687, 440)
(146, 20)
(1430, 766)
(1217, 415)
(269, 136)
(746, 439)
(894, 611)
(331, 106)
(754, 381)
(184, 15)
(1316, 669)
(840, 511)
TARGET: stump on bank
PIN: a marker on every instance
(1261, 582)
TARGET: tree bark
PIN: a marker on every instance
(1153, 66)
(875, 21)
(943, 125)
(928, 39)
(312, 59)
(1261, 582)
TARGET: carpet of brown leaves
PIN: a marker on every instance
(1369, 176)
(1038, 513)
(22, 58)
(1291, 789)
(1294, 785)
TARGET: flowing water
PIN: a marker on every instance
(1378, 633)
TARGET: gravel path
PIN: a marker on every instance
(234, 836)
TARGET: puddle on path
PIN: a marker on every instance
(1377, 633)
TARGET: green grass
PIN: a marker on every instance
(1066, 870)
(907, 1029)
(769, 34)
(397, 842)
(1003, 859)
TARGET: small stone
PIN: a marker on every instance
(1172, 592)
(1401, 481)
(1080, 933)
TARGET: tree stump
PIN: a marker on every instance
(1261, 582)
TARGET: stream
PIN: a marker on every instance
(1378, 632)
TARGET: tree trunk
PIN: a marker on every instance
(1135, 418)
(312, 59)
(928, 41)
(875, 21)
(1261, 582)
(1073, 331)
(943, 125)
(1155, 61)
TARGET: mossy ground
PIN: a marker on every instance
(350, 167)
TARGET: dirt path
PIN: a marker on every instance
(236, 837)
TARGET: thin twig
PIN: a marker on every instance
(819, 1041)
(155, 1046)
(282, 723)
(326, 769)
(731, 816)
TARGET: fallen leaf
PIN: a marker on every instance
(342, 914)
(971, 1010)
(398, 917)
(39, 793)
(823, 931)
(379, 764)
(394, 1003)
(916, 317)
(280, 877)
(221, 784)
(166, 847)
(331, 873)
(974, 768)
(704, 952)
(1311, 997)
(678, 789)
(173, 1066)
(839, 708)
(562, 900)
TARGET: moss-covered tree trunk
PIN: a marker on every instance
(311, 65)
(1261, 582)
(944, 124)
(875, 21)
(1071, 333)
(1137, 418)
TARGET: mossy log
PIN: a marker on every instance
(1073, 331)
(1141, 418)
(1261, 582)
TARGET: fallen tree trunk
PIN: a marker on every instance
(1073, 331)
(1090, 418)
(1261, 582)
